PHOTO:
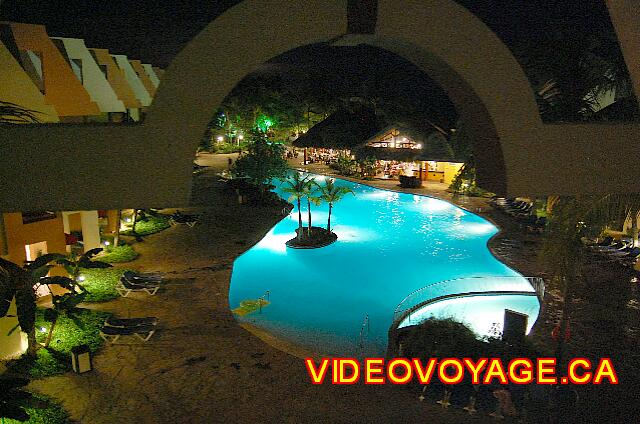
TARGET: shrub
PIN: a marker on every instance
(345, 166)
(119, 254)
(101, 283)
(68, 333)
(149, 224)
(49, 412)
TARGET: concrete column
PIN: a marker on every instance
(90, 229)
(625, 16)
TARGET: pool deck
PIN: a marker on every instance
(604, 324)
(202, 366)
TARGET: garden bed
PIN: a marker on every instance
(149, 225)
(101, 283)
(320, 237)
(68, 333)
(119, 254)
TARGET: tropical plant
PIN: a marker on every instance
(296, 186)
(13, 399)
(12, 113)
(312, 197)
(18, 283)
(263, 162)
(569, 220)
(368, 167)
(22, 283)
(331, 194)
(67, 303)
(345, 166)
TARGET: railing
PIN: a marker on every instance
(264, 297)
(450, 288)
(364, 333)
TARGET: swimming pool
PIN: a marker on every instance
(340, 299)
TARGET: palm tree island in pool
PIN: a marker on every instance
(300, 187)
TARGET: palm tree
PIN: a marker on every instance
(312, 197)
(331, 194)
(571, 219)
(297, 188)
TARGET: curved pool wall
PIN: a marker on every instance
(389, 245)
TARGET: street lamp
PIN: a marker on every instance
(220, 139)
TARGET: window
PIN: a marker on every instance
(32, 63)
(76, 66)
(30, 217)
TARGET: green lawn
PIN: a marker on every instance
(48, 412)
(101, 283)
(67, 334)
(119, 254)
(150, 225)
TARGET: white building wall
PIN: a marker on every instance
(93, 79)
(152, 74)
(134, 82)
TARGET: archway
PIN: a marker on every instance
(150, 163)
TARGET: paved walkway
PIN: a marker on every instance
(201, 366)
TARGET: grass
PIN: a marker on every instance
(56, 359)
(119, 254)
(49, 412)
(101, 283)
(150, 225)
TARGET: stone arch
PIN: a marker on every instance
(151, 162)
(477, 70)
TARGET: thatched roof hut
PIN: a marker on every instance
(405, 144)
(344, 129)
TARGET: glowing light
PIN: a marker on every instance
(435, 205)
(127, 220)
(473, 228)
(418, 146)
(220, 138)
(43, 330)
(106, 243)
(81, 278)
(240, 137)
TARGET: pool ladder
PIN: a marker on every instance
(262, 298)
(364, 333)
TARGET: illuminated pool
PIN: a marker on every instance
(340, 299)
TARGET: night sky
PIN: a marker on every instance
(155, 31)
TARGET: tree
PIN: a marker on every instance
(570, 219)
(331, 194)
(67, 302)
(22, 283)
(311, 195)
(18, 283)
(263, 162)
(296, 186)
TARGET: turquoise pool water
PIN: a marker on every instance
(340, 299)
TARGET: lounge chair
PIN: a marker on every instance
(136, 277)
(112, 334)
(130, 322)
(180, 218)
(125, 287)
